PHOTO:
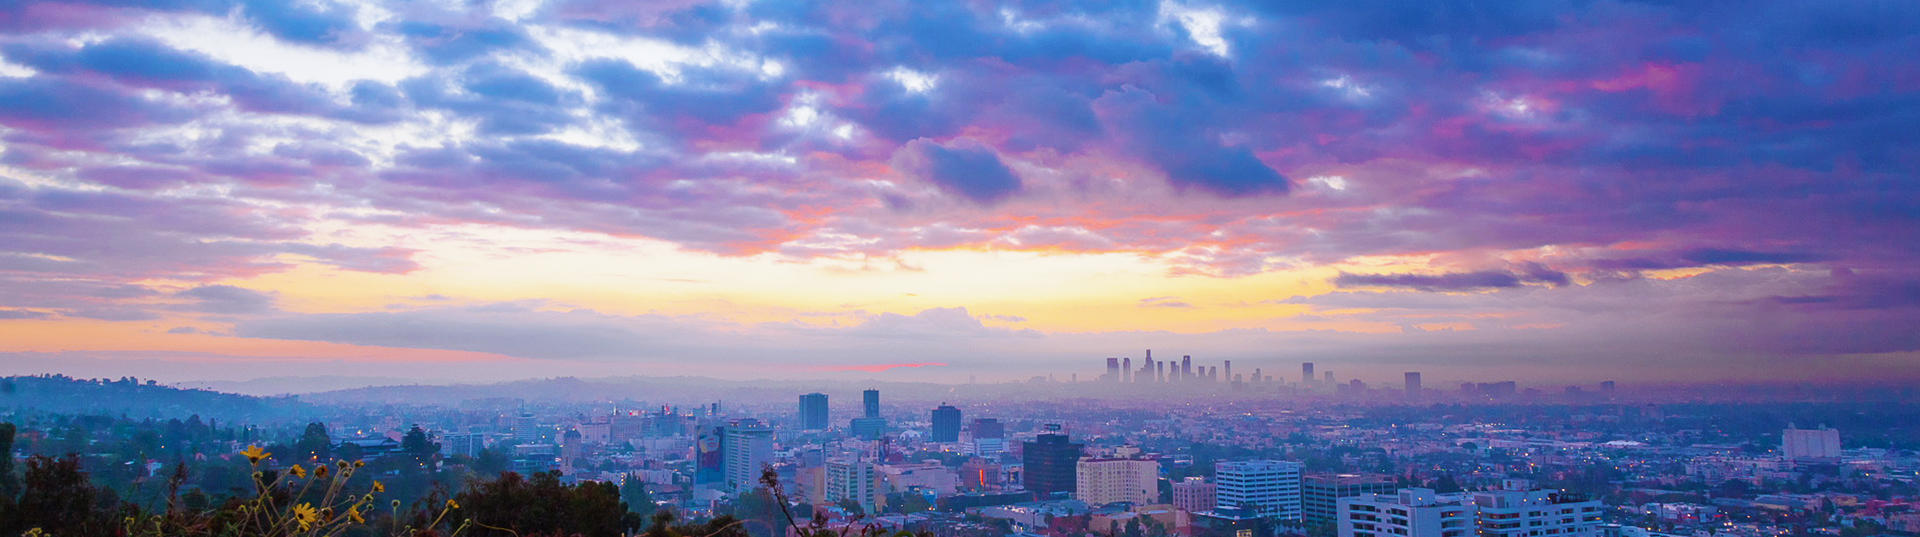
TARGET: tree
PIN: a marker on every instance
(57, 498)
(490, 461)
(542, 505)
(634, 492)
(417, 445)
(9, 483)
(314, 444)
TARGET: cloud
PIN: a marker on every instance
(227, 300)
(1164, 302)
(965, 168)
(1456, 281)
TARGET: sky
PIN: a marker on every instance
(1544, 191)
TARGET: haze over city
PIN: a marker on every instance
(1550, 192)
(959, 268)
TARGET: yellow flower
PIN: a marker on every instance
(357, 464)
(305, 515)
(254, 454)
(353, 514)
(297, 471)
(320, 470)
(379, 487)
(452, 504)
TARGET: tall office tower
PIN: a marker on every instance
(1104, 481)
(1160, 372)
(1320, 494)
(852, 478)
(1329, 378)
(946, 423)
(749, 447)
(1193, 495)
(1269, 488)
(1186, 366)
(1050, 464)
(1126, 369)
(813, 411)
(1521, 513)
(1113, 370)
(1413, 383)
(1256, 376)
(1809, 444)
(1408, 513)
(870, 401)
(1306, 374)
(1229, 371)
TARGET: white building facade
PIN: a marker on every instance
(1271, 488)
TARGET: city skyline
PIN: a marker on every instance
(1549, 193)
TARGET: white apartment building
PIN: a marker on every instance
(1810, 444)
(852, 479)
(1414, 512)
(1271, 488)
(1104, 481)
(1536, 513)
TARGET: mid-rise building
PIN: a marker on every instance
(813, 412)
(946, 424)
(1103, 481)
(1810, 444)
(1536, 513)
(1414, 512)
(1193, 495)
(748, 447)
(1268, 488)
(853, 479)
(1320, 494)
(1049, 464)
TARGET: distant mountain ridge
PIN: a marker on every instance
(132, 397)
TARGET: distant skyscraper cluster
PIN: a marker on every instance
(1121, 370)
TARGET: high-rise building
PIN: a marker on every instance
(813, 412)
(1159, 371)
(1193, 495)
(1227, 376)
(1306, 374)
(1269, 488)
(1528, 513)
(1104, 481)
(1049, 464)
(853, 479)
(1413, 383)
(525, 429)
(946, 423)
(1186, 367)
(1320, 494)
(710, 456)
(1809, 444)
(1328, 378)
(749, 447)
(1412, 512)
(1126, 369)
(870, 403)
